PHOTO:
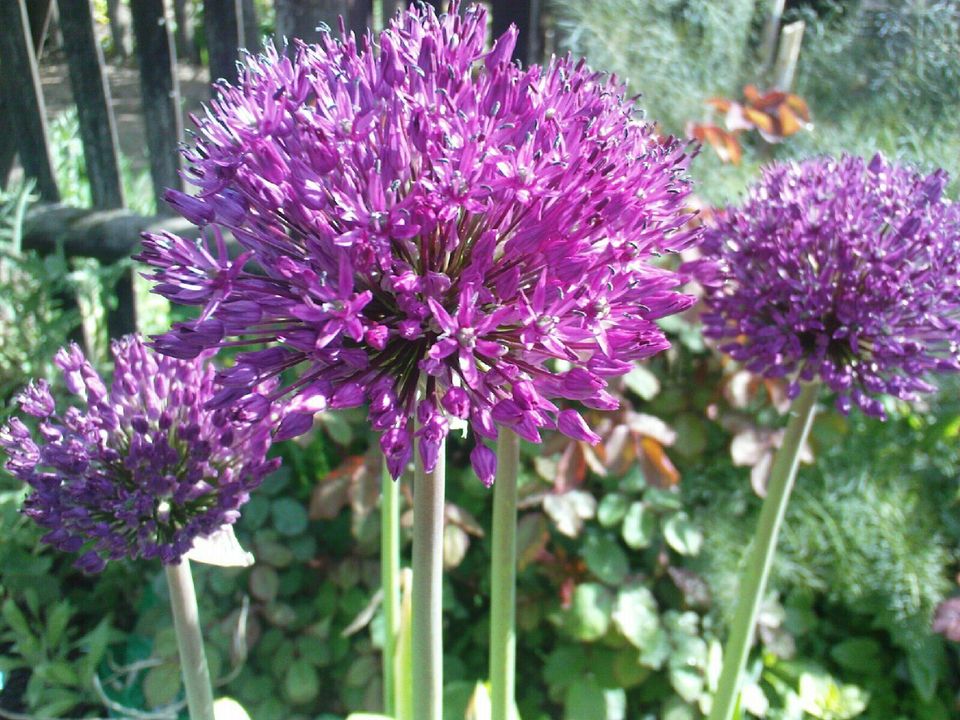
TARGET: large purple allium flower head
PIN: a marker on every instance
(428, 228)
(141, 469)
(841, 270)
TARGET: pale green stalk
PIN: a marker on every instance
(761, 552)
(193, 659)
(389, 578)
(428, 502)
(404, 659)
(503, 573)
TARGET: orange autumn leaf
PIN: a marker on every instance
(657, 460)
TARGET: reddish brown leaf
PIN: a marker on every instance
(532, 536)
(655, 459)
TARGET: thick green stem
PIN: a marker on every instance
(427, 590)
(193, 659)
(503, 573)
(389, 578)
(760, 554)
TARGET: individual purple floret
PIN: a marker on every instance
(415, 208)
(145, 468)
(842, 270)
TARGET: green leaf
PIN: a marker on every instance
(590, 612)
(643, 382)
(15, 618)
(682, 535)
(612, 508)
(663, 500)
(264, 583)
(605, 558)
(585, 700)
(564, 665)
(61, 673)
(289, 516)
(57, 702)
(161, 684)
(57, 620)
(822, 697)
(95, 644)
(691, 434)
(677, 709)
(656, 652)
(300, 683)
(688, 683)
(338, 427)
(627, 669)
(635, 615)
(860, 654)
(634, 481)
(255, 512)
(639, 526)
(926, 665)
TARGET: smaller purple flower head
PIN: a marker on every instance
(842, 270)
(139, 470)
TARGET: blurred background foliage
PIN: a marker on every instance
(629, 551)
(877, 74)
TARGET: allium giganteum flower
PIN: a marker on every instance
(841, 270)
(427, 211)
(145, 468)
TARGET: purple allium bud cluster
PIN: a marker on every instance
(417, 212)
(145, 468)
(839, 269)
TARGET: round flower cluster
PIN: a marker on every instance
(428, 228)
(145, 468)
(839, 269)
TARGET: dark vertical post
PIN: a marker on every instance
(160, 94)
(8, 140)
(251, 27)
(23, 97)
(187, 49)
(525, 14)
(40, 13)
(358, 15)
(223, 23)
(92, 95)
(301, 18)
(119, 17)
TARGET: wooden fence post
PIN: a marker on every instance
(525, 14)
(223, 24)
(119, 17)
(771, 31)
(23, 98)
(788, 53)
(8, 140)
(252, 40)
(92, 96)
(160, 92)
(39, 13)
(301, 18)
(183, 36)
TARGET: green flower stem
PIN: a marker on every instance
(389, 578)
(760, 554)
(428, 501)
(503, 573)
(193, 659)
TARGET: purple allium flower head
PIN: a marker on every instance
(415, 208)
(838, 269)
(145, 468)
